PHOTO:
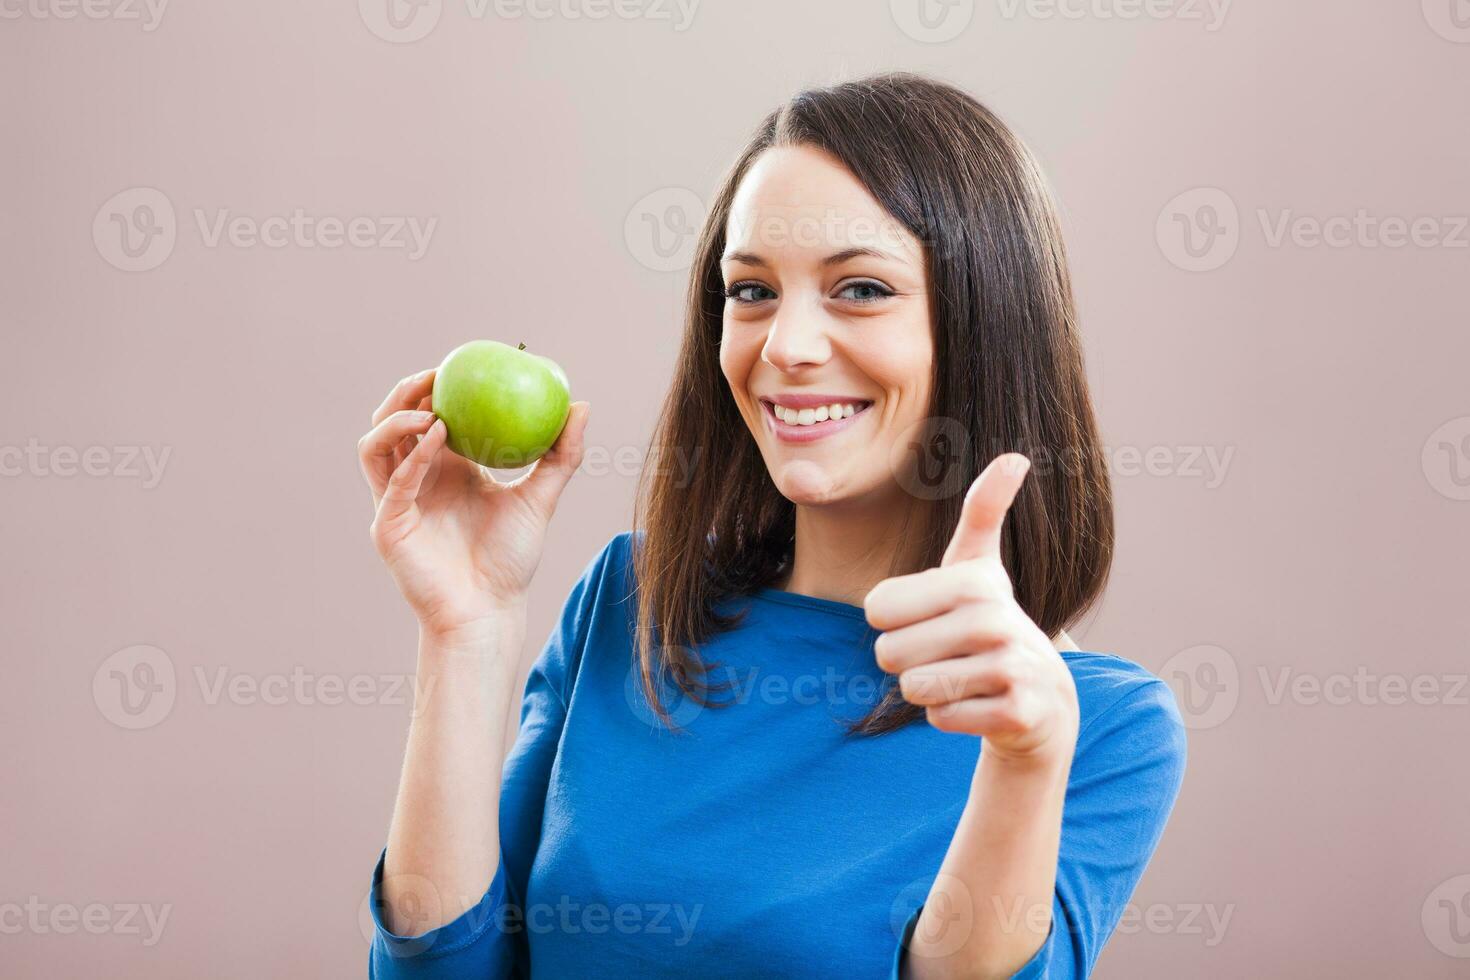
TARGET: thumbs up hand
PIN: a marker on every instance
(963, 647)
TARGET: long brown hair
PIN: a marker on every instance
(1008, 375)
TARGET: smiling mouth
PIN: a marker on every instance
(803, 424)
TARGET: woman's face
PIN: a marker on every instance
(826, 306)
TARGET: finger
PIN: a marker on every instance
(377, 451)
(405, 446)
(904, 599)
(1001, 714)
(970, 628)
(978, 675)
(403, 485)
(552, 472)
(986, 504)
(405, 394)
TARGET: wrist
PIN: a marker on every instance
(486, 635)
(1045, 762)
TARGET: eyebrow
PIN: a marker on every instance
(836, 258)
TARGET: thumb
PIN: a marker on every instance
(554, 469)
(978, 533)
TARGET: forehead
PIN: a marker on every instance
(803, 197)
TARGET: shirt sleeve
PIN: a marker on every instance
(1126, 775)
(488, 940)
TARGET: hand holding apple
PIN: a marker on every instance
(462, 546)
(965, 649)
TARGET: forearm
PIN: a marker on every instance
(444, 841)
(989, 909)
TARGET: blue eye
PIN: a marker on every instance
(865, 291)
(749, 292)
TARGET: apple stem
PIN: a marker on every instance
(521, 346)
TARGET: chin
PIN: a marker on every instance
(808, 483)
(805, 482)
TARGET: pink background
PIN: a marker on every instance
(1332, 835)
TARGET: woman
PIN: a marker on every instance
(750, 746)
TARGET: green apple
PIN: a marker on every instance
(503, 406)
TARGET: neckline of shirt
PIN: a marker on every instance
(803, 601)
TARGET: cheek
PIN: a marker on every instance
(903, 366)
(739, 351)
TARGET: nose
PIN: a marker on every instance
(797, 337)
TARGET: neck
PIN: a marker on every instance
(844, 549)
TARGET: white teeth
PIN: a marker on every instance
(812, 416)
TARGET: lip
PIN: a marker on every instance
(798, 401)
(786, 432)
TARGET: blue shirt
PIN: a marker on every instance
(762, 840)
